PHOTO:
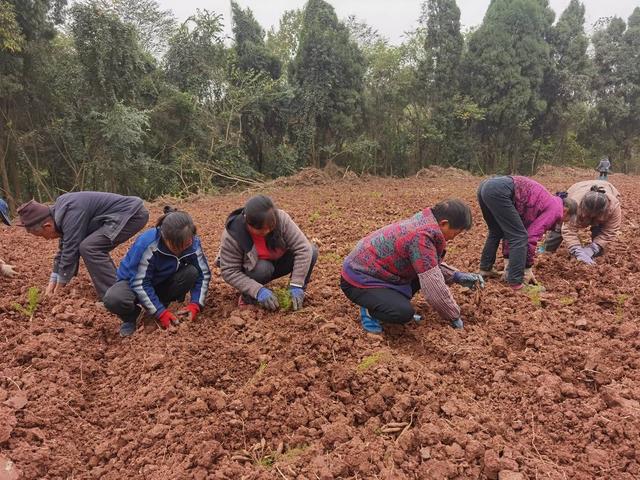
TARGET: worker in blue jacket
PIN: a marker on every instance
(162, 266)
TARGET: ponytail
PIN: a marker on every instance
(176, 227)
(595, 201)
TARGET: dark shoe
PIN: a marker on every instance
(127, 329)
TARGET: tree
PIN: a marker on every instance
(327, 71)
(505, 66)
(283, 42)
(153, 25)
(616, 126)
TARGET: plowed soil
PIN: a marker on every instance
(538, 386)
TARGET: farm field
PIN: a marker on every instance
(537, 386)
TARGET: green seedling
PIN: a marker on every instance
(369, 361)
(533, 292)
(314, 217)
(566, 301)
(620, 301)
(284, 298)
(33, 300)
(332, 257)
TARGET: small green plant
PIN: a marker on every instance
(293, 453)
(314, 217)
(533, 292)
(566, 301)
(33, 300)
(332, 257)
(369, 361)
(266, 462)
(620, 301)
(284, 298)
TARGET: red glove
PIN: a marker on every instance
(166, 318)
(192, 310)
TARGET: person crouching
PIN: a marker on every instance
(162, 266)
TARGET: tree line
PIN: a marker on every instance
(117, 95)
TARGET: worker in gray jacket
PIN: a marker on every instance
(261, 243)
(89, 225)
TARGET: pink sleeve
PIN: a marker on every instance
(438, 295)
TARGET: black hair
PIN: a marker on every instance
(456, 212)
(568, 203)
(260, 212)
(176, 227)
(595, 201)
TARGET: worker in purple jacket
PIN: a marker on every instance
(388, 266)
(518, 211)
(89, 225)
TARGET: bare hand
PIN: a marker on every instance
(51, 289)
(7, 270)
(529, 277)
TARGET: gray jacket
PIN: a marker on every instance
(78, 214)
(238, 254)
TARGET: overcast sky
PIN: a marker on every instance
(390, 17)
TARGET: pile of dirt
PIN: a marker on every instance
(436, 171)
(565, 172)
(545, 385)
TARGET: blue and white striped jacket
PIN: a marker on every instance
(149, 263)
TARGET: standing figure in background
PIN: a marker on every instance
(604, 168)
(88, 225)
(518, 211)
(599, 208)
(6, 270)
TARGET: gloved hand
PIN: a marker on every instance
(267, 299)
(7, 270)
(458, 324)
(191, 311)
(582, 255)
(592, 249)
(529, 277)
(297, 297)
(167, 318)
(469, 280)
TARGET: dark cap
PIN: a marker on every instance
(4, 212)
(32, 214)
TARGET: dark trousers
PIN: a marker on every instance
(554, 239)
(384, 304)
(496, 199)
(267, 270)
(122, 301)
(95, 250)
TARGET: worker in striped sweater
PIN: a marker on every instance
(388, 267)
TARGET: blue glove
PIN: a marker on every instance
(267, 299)
(541, 249)
(582, 254)
(458, 324)
(469, 280)
(297, 297)
(592, 250)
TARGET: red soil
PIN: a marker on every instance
(546, 387)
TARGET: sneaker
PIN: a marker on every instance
(127, 329)
(370, 324)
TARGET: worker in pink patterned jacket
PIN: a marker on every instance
(390, 265)
(518, 211)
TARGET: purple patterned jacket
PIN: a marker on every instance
(539, 210)
(396, 255)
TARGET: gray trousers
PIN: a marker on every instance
(496, 199)
(267, 270)
(95, 250)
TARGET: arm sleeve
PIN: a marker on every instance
(610, 228)
(74, 228)
(231, 258)
(447, 273)
(200, 289)
(141, 283)
(570, 234)
(535, 232)
(438, 295)
(301, 248)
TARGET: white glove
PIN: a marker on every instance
(7, 270)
